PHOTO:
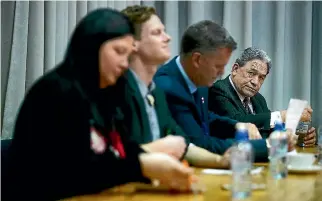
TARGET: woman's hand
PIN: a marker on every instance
(172, 145)
(167, 170)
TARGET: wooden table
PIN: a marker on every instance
(297, 187)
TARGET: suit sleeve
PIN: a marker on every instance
(222, 127)
(170, 123)
(50, 156)
(176, 128)
(191, 128)
(182, 115)
(223, 106)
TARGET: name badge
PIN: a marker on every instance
(98, 142)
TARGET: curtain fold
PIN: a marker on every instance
(316, 66)
(35, 43)
(34, 36)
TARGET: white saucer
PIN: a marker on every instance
(304, 170)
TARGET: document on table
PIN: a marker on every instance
(229, 172)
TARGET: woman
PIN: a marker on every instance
(66, 141)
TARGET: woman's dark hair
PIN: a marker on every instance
(82, 55)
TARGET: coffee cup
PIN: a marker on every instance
(301, 160)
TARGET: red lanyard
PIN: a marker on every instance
(116, 143)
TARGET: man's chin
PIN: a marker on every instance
(163, 58)
(250, 94)
(210, 84)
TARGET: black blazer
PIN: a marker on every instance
(224, 100)
(190, 116)
(50, 156)
(136, 117)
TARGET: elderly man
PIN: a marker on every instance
(205, 50)
(237, 95)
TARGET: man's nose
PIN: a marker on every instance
(255, 81)
(167, 38)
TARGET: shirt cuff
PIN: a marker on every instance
(275, 116)
(191, 145)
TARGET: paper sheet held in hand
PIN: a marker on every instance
(294, 112)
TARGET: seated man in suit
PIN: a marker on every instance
(146, 113)
(205, 50)
(237, 95)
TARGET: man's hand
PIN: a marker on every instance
(173, 145)
(307, 114)
(310, 138)
(253, 132)
(283, 115)
(225, 159)
(291, 140)
(167, 171)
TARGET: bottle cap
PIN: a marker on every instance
(241, 132)
(279, 126)
(241, 135)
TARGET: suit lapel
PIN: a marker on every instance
(139, 103)
(159, 103)
(181, 88)
(180, 84)
(197, 102)
(234, 95)
(257, 107)
(203, 94)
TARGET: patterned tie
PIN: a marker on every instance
(246, 102)
(150, 97)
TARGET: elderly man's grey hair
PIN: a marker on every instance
(253, 53)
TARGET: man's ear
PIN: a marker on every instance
(234, 69)
(195, 58)
(136, 45)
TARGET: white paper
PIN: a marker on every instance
(229, 172)
(294, 113)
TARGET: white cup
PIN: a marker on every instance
(301, 159)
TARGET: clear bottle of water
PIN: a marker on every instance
(241, 164)
(278, 152)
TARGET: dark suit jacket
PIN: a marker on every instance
(224, 100)
(136, 116)
(187, 114)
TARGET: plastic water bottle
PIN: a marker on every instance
(278, 152)
(241, 164)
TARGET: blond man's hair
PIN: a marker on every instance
(139, 15)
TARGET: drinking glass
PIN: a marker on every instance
(302, 130)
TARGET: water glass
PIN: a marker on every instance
(302, 130)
